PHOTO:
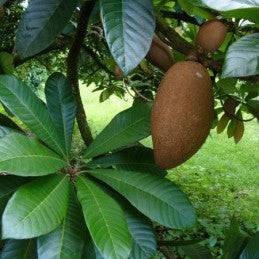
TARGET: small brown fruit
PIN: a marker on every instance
(160, 55)
(211, 35)
(182, 115)
(118, 73)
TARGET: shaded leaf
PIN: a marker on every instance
(128, 37)
(138, 158)
(42, 22)
(126, 128)
(104, 219)
(242, 58)
(67, 241)
(231, 128)
(159, 199)
(239, 131)
(36, 208)
(25, 105)
(251, 251)
(19, 249)
(222, 123)
(9, 123)
(141, 230)
(20, 155)
(61, 106)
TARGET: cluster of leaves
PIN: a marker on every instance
(102, 203)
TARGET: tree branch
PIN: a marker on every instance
(72, 69)
(177, 42)
(180, 16)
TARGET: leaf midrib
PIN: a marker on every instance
(38, 120)
(99, 208)
(42, 202)
(141, 190)
(114, 136)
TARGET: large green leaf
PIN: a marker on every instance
(137, 158)
(105, 220)
(36, 208)
(19, 249)
(247, 9)
(5, 131)
(20, 155)
(90, 249)
(25, 105)
(129, 28)
(144, 245)
(252, 249)
(8, 185)
(42, 22)
(125, 128)
(61, 106)
(157, 198)
(242, 58)
(67, 241)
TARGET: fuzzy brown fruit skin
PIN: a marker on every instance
(211, 35)
(160, 55)
(118, 73)
(182, 114)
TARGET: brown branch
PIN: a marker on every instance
(179, 16)
(72, 70)
(177, 42)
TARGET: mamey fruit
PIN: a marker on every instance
(183, 113)
(160, 55)
(118, 73)
(211, 35)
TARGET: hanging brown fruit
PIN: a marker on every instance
(211, 35)
(183, 113)
(118, 73)
(160, 55)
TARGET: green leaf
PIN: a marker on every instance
(125, 128)
(138, 158)
(42, 22)
(231, 128)
(25, 105)
(129, 28)
(245, 9)
(253, 106)
(140, 228)
(5, 131)
(252, 249)
(67, 241)
(159, 199)
(6, 63)
(61, 106)
(36, 208)
(20, 155)
(8, 185)
(228, 85)
(197, 251)
(90, 249)
(104, 219)
(242, 58)
(19, 249)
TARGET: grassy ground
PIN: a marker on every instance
(222, 179)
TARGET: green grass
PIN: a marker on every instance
(222, 179)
